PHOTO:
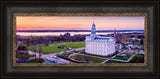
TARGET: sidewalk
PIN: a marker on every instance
(109, 58)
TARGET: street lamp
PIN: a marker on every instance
(55, 58)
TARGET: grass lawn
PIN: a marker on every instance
(36, 60)
(140, 55)
(48, 60)
(83, 58)
(24, 54)
(121, 57)
(62, 55)
(53, 47)
(66, 58)
(112, 61)
(124, 58)
(138, 43)
(138, 58)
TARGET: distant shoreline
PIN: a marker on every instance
(78, 31)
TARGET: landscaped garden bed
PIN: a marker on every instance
(64, 55)
(84, 58)
(96, 55)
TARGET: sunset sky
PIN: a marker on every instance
(79, 22)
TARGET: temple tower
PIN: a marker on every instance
(93, 31)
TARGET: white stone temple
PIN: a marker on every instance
(99, 45)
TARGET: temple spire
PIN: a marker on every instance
(93, 31)
(115, 33)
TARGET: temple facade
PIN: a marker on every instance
(99, 45)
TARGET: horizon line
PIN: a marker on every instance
(77, 30)
(102, 30)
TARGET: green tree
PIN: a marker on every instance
(65, 54)
(40, 52)
(34, 49)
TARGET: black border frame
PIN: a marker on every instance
(154, 4)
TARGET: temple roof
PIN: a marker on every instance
(103, 38)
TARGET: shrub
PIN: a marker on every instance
(62, 47)
(139, 58)
(22, 48)
(36, 60)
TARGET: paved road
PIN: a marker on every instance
(119, 59)
(50, 56)
(124, 60)
(131, 57)
(60, 60)
(109, 58)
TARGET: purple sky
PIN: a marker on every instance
(79, 22)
